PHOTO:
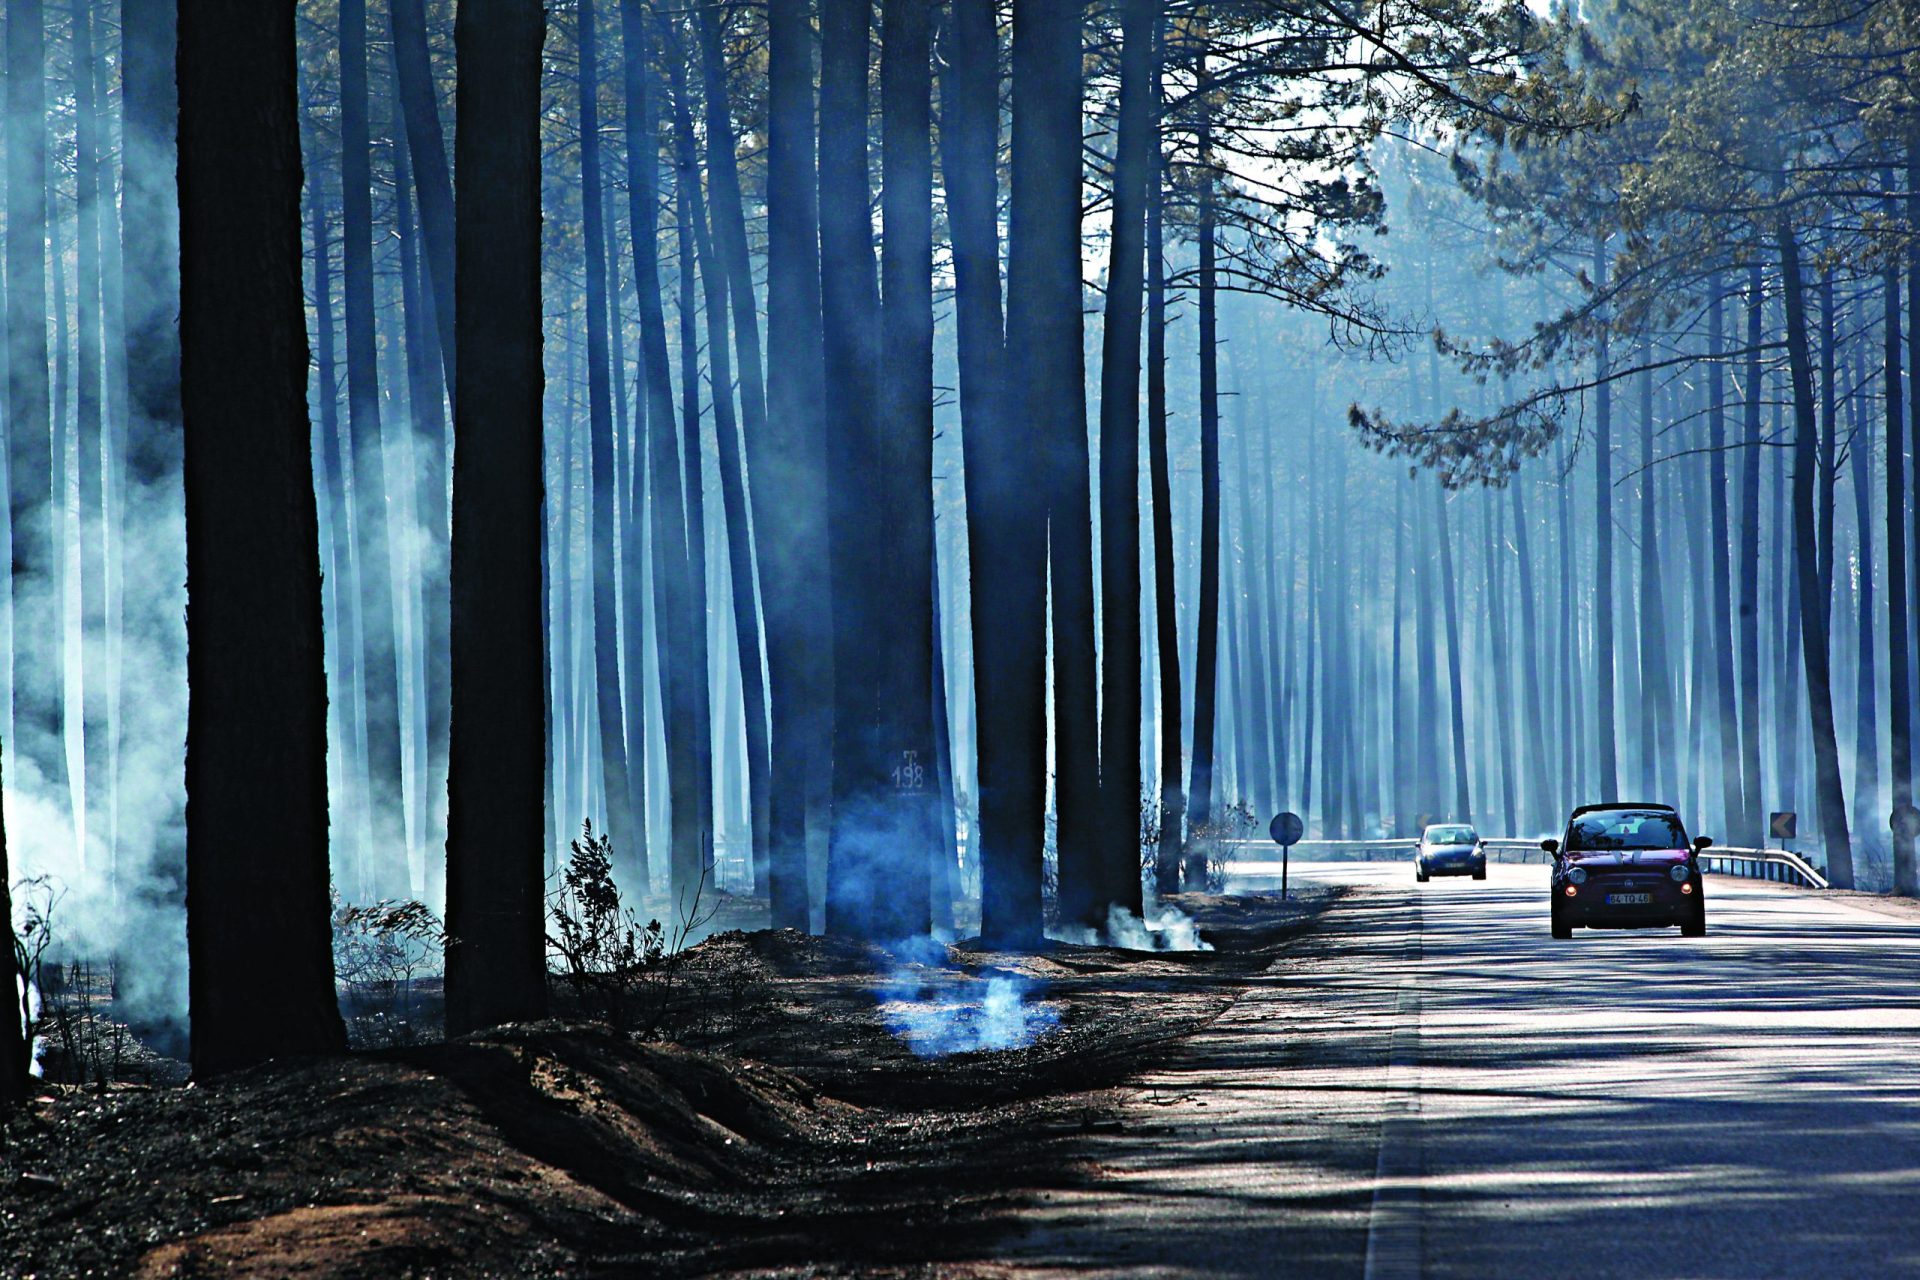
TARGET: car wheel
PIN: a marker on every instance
(1479, 873)
(1694, 924)
(1562, 927)
(1420, 875)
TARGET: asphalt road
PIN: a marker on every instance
(1429, 1085)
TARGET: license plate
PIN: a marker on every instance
(1629, 899)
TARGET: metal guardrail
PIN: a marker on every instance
(1782, 866)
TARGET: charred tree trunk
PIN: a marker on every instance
(1173, 802)
(1060, 427)
(1719, 548)
(1006, 530)
(904, 425)
(862, 757)
(1813, 613)
(676, 626)
(1120, 654)
(789, 488)
(618, 820)
(1206, 675)
(1657, 703)
(496, 829)
(380, 674)
(698, 638)
(732, 268)
(259, 948)
(427, 160)
(430, 319)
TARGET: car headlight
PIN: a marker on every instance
(1679, 872)
(1578, 875)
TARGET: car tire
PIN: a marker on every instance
(1694, 924)
(1479, 873)
(1421, 876)
(1562, 927)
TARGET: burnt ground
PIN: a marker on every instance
(755, 1116)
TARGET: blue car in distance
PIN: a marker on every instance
(1449, 849)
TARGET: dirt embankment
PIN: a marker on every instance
(779, 1122)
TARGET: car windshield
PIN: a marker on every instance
(1450, 835)
(1599, 831)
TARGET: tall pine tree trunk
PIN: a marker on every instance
(259, 947)
(1906, 875)
(1006, 530)
(1604, 606)
(731, 274)
(862, 757)
(1120, 656)
(618, 820)
(676, 626)
(789, 478)
(1206, 675)
(1456, 701)
(381, 671)
(1813, 612)
(1173, 801)
(1719, 547)
(1746, 831)
(430, 346)
(496, 793)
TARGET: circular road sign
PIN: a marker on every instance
(1287, 829)
(1906, 822)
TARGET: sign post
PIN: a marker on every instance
(1784, 826)
(1286, 830)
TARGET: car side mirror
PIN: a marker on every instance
(1701, 842)
(1551, 846)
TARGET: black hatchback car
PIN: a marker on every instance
(1627, 866)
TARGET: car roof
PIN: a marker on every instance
(1616, 806)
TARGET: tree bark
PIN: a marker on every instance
(1813, 614)
(427, 155)
(1173, 802)
(1006, 531)
(1120, 462)
(1657, 703)
(904, 426)
(259, 948)
(676, 627)
(790, 511)
(1720, 544)
(1906, 875)
(1456, 701)
(862, 757)
(729, 269)
(380, 673)
(1747, 830)
(1603, 602)
(1059, 406)
(1206, 677)
(618, 819)
(496, 794)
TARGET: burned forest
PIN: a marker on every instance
(802, 637)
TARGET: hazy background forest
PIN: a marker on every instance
(1400, 413)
